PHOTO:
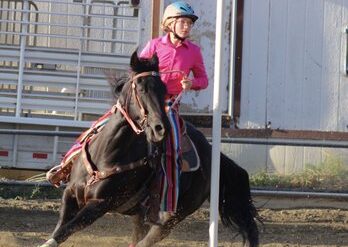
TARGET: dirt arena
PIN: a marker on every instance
(29, 223)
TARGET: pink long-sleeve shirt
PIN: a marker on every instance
(186, 57)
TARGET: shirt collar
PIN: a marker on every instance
(166, 40)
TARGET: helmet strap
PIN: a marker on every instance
(175, 34)
(178, 37)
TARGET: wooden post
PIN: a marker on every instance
(156, 14)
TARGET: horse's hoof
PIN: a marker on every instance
(50, 243)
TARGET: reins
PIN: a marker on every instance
(179, 96)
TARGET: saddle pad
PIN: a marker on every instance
(190, 158)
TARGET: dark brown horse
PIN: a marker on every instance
(118, 145)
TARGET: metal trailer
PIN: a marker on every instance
(53, 59)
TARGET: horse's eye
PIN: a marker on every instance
(141, 86)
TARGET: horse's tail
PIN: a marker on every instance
(235, 204)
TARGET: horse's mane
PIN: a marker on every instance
(137, 65)
(116, 83)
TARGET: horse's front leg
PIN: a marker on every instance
(139, 228)
(93, 209)
(68, 210)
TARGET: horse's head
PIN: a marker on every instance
(142, 97)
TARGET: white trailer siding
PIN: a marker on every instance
(34, 151)
(293, 77)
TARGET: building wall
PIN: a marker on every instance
(294, 65)
(293, 77)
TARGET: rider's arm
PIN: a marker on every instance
(200, 80)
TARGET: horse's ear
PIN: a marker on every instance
(154, 61)
(134, 61)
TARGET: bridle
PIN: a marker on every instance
(137, 127)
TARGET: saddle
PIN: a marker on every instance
(190, 158)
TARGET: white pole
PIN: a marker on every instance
(215, 162)
(232, 56)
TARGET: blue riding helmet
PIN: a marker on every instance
(178, 9)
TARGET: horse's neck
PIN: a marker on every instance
(114, 140)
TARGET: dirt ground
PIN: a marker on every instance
(29, 223)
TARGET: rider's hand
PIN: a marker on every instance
(186, 83)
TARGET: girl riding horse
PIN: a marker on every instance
(177, 58)
(120, 149)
